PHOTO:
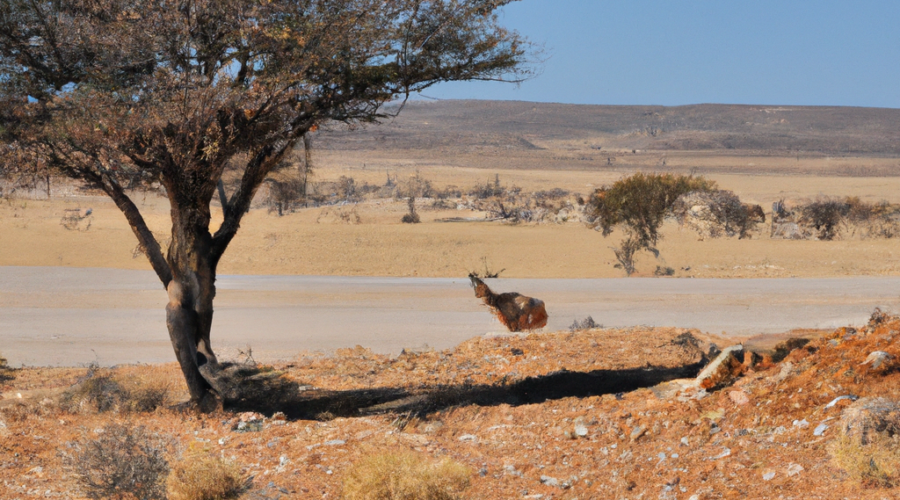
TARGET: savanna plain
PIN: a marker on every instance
(586, 413)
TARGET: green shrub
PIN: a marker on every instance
(640, 203)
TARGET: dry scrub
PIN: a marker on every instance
(100, 391)
(121, 463)
(405, 475)
(201, 476)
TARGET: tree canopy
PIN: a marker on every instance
(118, 92)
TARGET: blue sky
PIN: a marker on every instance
(675, 52)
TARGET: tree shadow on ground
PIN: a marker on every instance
(272, 392)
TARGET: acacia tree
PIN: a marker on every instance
(170, 91)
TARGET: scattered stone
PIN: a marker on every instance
(511, 470)
(768, 476)
(638, 432)
(794, 469)
(724, 369)
(739, 397)
(803, 424)
(870, 415)
(782, 349)
(431, 427)
(786, 370)
(549, 481)
(685, 442)
(725, 453)
(820, 429)
(250, 426)
(468, 438)
(335, 442)
(279, 416)
(672, 388)
(581, 430)
(879, 360)
(835, 401)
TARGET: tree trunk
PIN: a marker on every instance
(189, 313)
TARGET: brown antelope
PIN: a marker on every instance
(516, 312)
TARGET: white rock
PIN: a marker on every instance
(794, 469)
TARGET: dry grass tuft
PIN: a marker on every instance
(199, 476)
(122, 463)
(405, 475)
(874, 464)
(869, 445)
(101, 392)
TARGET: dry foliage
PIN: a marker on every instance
(200, 476)
(828, 218)
(101, 392)
(718, 213)
(405, 475)
(873, 464)
(122, 463)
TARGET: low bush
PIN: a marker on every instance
(868, 446)
(585, 324)
(100, 392)
(405, 475)
(875, 464)
(121, 463)
(199, 476)
(718, 213)
(411, 217)
(828, 218)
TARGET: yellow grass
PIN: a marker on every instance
(199, 476)
(405, 475)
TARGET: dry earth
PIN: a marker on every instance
(763, 154)
(557, 415)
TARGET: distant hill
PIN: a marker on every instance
(525, 125)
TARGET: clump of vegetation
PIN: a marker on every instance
(825, 215)
(663, 271)
(640, 203)
(876, 464)
(868, 447)
(5, 370)
(718, 213)
(488, 190)
(411, 217)
(584, 324)
(827, 218)
(122, 463)
(101, 392)
(200, 476)
(405, 475)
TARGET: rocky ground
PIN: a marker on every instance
(587, 414)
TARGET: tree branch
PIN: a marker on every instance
(137, 223)
(254, 175)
